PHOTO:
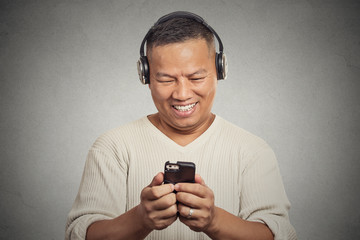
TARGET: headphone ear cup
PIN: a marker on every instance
(218, 66)
(221, 65)
(143, 70)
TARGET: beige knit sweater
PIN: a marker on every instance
(239, 167)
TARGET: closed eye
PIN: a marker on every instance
(197, 78)
(165, 80)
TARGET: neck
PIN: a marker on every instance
(181, 136)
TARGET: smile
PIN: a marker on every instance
(184, 108)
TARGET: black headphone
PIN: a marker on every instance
(220, 58)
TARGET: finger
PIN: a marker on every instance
(198, 179)
(189, 199)
(164, 223)
(187, 212)
(157, 180)
(193, 188)
(169, 212)
(191, 221)
(196, 219)
(156, 192)
(165, 202)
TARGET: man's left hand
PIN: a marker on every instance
(196, 204)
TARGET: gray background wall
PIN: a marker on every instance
(67, 71)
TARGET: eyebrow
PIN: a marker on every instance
(200, 71)
(160, 74)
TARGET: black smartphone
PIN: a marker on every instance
(179, 172)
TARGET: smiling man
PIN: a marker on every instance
(183, 86)
(238, 192)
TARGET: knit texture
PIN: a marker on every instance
(239, 167)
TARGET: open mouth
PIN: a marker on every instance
(184, 108)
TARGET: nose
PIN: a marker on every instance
(182, 90)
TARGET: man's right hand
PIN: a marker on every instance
(158, 204)
(157, 210)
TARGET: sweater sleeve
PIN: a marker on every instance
(102, 192)
(263, 198)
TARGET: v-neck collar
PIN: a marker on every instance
(170, 143)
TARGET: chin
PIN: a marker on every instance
(185, 124)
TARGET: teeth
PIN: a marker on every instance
(184, 108)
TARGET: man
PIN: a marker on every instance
(243, 197)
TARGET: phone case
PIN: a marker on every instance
(179, 172)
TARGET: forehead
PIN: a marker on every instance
(200, 42)
(184, 58)
(188, 51)
(189, 48)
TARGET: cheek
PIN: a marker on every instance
(159, 95)
(210, 92)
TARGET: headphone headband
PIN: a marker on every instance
(181, 14)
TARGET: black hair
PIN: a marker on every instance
(178, 30)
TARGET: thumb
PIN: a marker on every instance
(157, 180)
(198, 179)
